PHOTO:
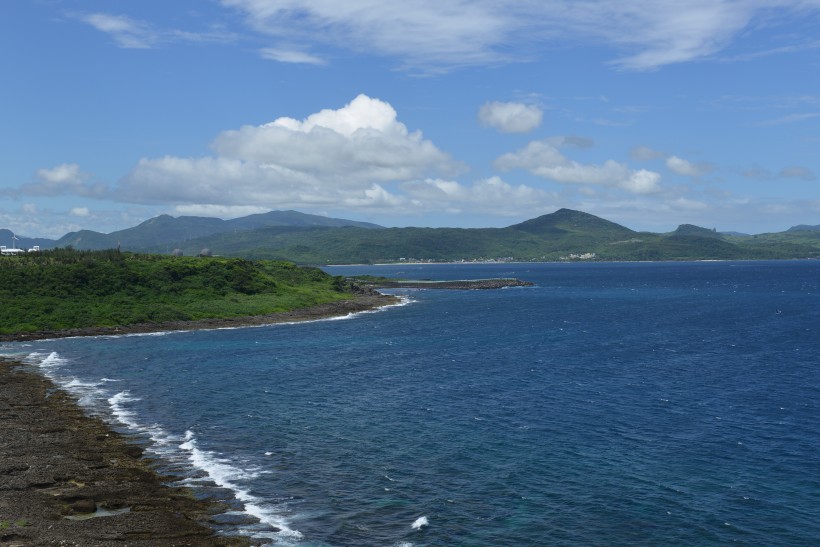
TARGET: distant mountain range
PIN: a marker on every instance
(311, 239)
(165, 230)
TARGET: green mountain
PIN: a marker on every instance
(690, 230)
(565, 222)
(804, 228)
(562, 235)
(164, 233)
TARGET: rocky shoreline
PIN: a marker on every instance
(68, 479)
(462, 284)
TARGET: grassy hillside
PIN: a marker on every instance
(63, 289)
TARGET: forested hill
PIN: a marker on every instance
(67, 289)
(563, 235)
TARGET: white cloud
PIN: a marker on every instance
(290, 56)
(131, 33)
(645, 34)
(343, 156)
(543, 159)
(374, 197)
(65, 173)
(80, 211)
(66, 178)
(686, 168)
(360, 113)
(510, 117)
(127, 32)
(219, 211)
(492, 196)
(422, 32)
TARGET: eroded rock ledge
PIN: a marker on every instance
(463, 284)
(58, 467)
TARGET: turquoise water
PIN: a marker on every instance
(671, 403)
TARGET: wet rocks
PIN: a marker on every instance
(67, 479)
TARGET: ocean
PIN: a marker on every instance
(610, 404)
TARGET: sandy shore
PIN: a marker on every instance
(69, 479)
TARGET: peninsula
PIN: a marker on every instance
(64, 292)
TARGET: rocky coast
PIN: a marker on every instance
(461, 284)
(68, 479)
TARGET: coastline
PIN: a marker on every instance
(341, 308)
(69, 479)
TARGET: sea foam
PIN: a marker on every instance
(419, 523)
(227, 475)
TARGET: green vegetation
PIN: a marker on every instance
(563, 235)
(64, 288)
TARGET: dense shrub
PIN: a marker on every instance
(64, 288)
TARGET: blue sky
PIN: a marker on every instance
(650, 113)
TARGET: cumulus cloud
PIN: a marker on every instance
(492, 195)
(332, 157)
(543, 159)
(65, 173)
(510, 117)
(64, 179)
(687, 168)
(644, 34)
(80, 211)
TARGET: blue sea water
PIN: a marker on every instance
(611, 404)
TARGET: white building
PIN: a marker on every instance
(5, 251)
